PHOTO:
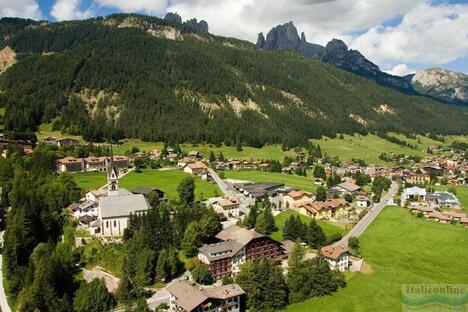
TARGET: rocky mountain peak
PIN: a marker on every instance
(336, 52)
(193, 23)
(282, 37)
(173, 18)
(260, 41)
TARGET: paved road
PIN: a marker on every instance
(222, 185)
(3, 299)
(362, 225)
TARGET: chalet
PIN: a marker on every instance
(264, 166)
(155, 154)
(70, 164)
(181, 163)
(362, 200)
(418, 178)
(337, 257)
(195, 155)
(189, 297)
(196, 168)
(227, 207)
(296, 199)
(120, 162)
(62, 142)
(94, 195)
(287, 170)
(236, 246)
(331, 208)
(424, 210)
(343, 189)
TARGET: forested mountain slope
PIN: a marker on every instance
(147, 78)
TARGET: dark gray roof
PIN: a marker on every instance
(221, 250)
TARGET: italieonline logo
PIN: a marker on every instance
(434, 297)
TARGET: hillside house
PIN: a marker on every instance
(181, 163)
(343, 189)
(331, 208)
(237, 245)
(362, 200)
(296, 199)
(196, 168)
(257, 190)
(96, 164)
(337, 257)
(229, 208)
(189, 297)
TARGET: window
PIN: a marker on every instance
(107, 224)
(115, 223)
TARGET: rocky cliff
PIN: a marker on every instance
(442, 84)
(335, 52)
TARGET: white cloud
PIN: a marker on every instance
(427, 34)
(320, 21)
(401, 70)
(147, 6)
(20, 8)
(69, 10)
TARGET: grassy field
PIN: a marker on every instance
(167, 181)
(367, 148)
(401, 249)
(328, 228)
(88, 181)
(301, 183)
(462, 194)
(45, 130)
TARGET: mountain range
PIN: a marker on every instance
(135, 76)
(335, 52)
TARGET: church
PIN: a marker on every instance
(116, 206)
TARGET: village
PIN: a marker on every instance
(345, 193)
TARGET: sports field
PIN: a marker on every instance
(328, 228)
(167, 181)
(301, 183)
(401, 249)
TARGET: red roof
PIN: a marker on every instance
(333, 253)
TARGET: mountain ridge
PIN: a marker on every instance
(336, 52)
(146, 78)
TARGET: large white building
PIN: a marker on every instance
(337, 257)
(116, 207)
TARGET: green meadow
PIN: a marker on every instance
(330, 229)
(367, 147)
(88, 181)
(301, 183)
(401, 249)
(167, 181)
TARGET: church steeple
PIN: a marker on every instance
(112, 176)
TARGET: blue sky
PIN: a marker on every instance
(400, 36)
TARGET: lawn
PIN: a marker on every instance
(401, 249)
(329, 228)
(367, 148)
(88, 181)
(301, 183)
(167, 181)
(462, 193)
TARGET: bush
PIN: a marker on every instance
(202, 274)
(353, 243)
